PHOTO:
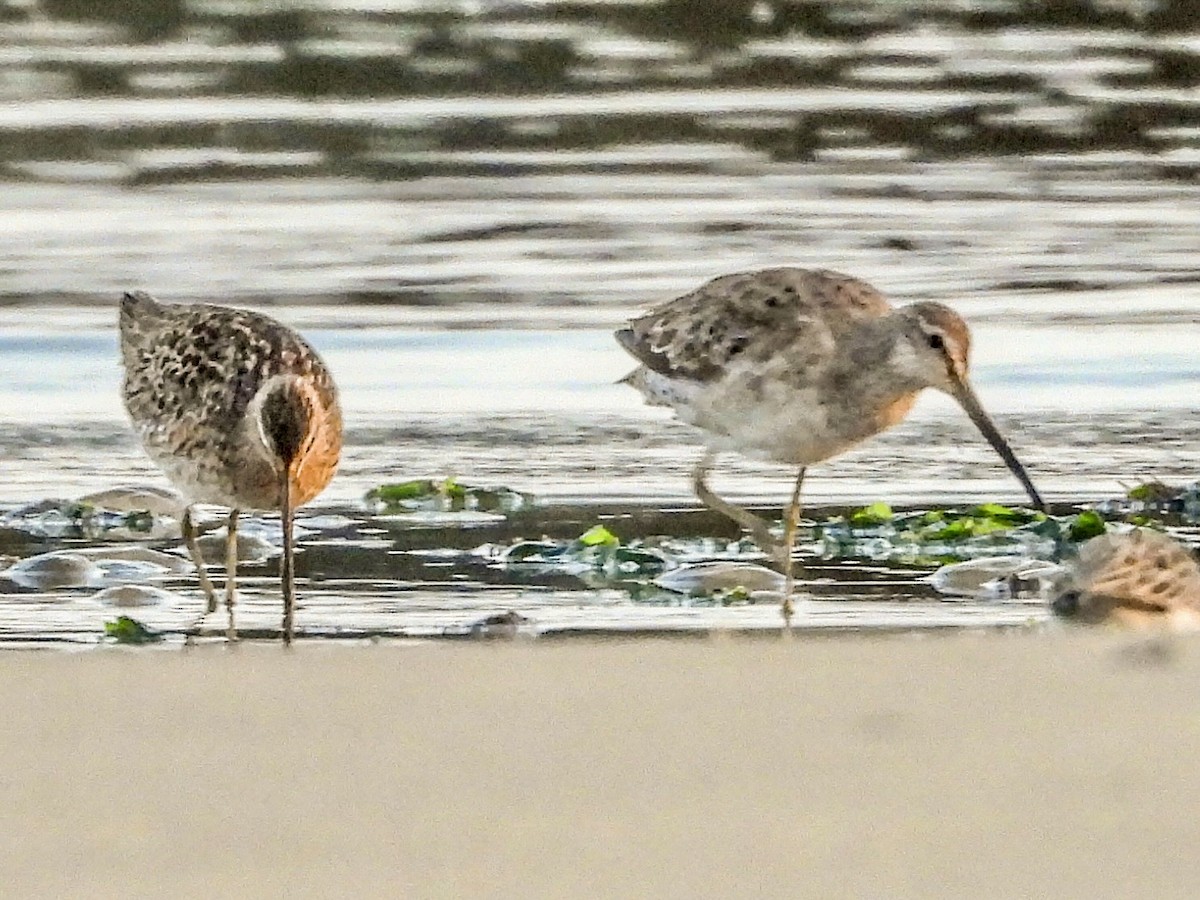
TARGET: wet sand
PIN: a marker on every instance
(1001, 765)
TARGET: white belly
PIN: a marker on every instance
(764, 417)
(782, 426)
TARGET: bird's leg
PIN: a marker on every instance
(288, 574)
(188, 527)
(790, 524)
(758, 529)
(231, 561)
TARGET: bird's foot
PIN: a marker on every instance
(231, 628)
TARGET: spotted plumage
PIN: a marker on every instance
(751, 318)
(237, 409)
(1139, 578)
(797, 366)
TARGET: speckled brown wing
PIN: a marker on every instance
(206, 362)
(1142, 569)
(191, 373)
(758, 314)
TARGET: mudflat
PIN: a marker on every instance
(1032, 764)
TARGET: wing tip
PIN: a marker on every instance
(639, 349)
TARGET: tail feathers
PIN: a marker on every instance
(639, 348)
(139, 317)
(138, 306)
(658, 390)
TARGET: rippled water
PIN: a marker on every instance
(458, 202)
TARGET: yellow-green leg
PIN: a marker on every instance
(790, 524)
(780, 552)
(188, 527)
(758, 528)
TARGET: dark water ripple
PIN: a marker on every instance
(792, 80)
(576, 152)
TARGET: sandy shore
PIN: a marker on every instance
(1002, 765)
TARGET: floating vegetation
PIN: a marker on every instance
(1155, 503)
(445, 495)
(599, 536)
(706, 549)
(133, 513)
(596, 552)
(646, 572)
(727, 572)
(944, 535)
(1085, 525)
(1153, 492)
(124, 630)
(874, 514)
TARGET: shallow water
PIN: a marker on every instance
(370, 576)
(536, 410)
(458, 203)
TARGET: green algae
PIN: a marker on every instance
(599, 536)
(127, 630)
(444, 495)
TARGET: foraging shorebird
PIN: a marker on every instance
(238, 411)
(797, 366)
(1137, 579)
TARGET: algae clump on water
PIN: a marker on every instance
(127, 630)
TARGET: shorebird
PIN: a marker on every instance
(1137, 579)
(797, 366)
(238, 411)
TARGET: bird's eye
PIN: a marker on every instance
(936, 342)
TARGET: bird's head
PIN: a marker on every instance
(934, 351)
(1136, 579)
(935, 347)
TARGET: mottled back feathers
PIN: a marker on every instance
(206, 358)
(1132, 578)
(752, 315)
(191, 374)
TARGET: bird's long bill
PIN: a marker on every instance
(970, 403)
(288, 573)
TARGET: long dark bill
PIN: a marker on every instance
(970, 403)
(284, 423)
(288, 575)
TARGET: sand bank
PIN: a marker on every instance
(996, 765)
